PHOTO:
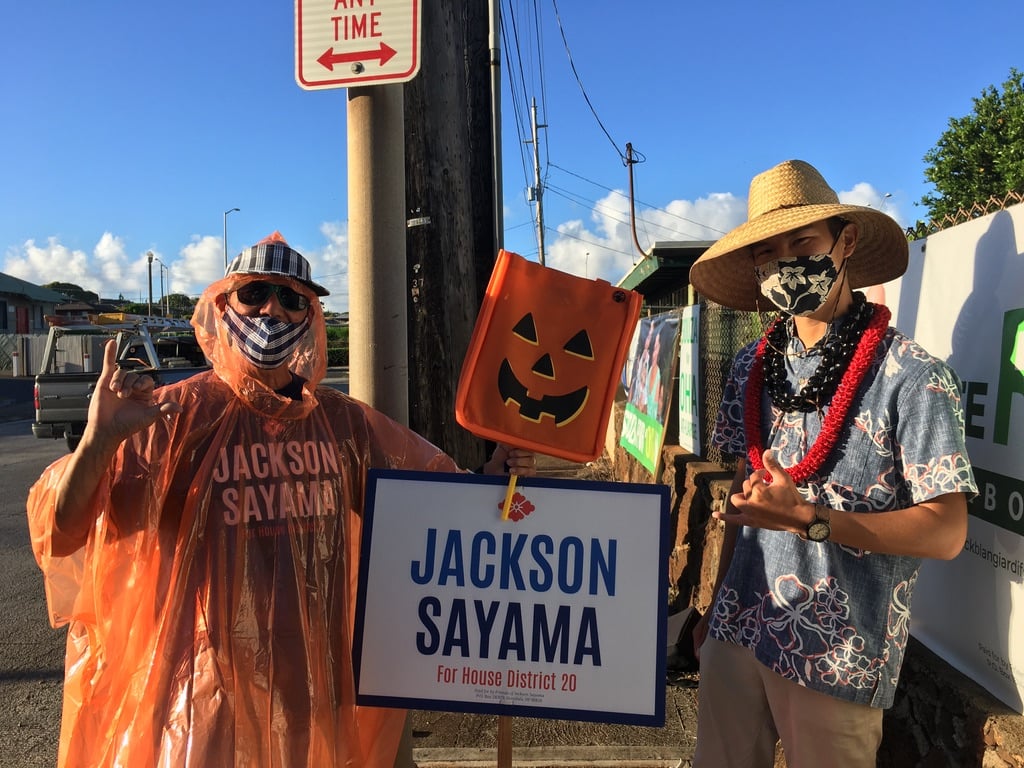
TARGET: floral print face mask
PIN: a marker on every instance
(798, 285)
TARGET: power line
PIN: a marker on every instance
(518, 102)
(527, 38)
(583, 90)
(591, 243)
(612, 215)
(541, 77)
(519, 226)
(647, 205)
(609, 212)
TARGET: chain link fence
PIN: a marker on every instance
(723, 333)
(8, 346)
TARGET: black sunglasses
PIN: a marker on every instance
(255, 294)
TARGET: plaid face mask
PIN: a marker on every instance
(264, 341)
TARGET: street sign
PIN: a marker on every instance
(343, 43)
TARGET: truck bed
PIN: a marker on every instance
(62, 399)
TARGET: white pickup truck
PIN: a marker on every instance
(164, 349)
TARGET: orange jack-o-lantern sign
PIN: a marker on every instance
(563, 408)
(545, 359)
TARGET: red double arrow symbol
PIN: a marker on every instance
(330, 58)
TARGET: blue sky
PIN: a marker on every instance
(131, 127)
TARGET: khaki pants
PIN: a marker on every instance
(744, 708)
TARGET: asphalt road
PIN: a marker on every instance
(31, 652)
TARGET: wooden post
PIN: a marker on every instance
(504, 741)
(450, 214)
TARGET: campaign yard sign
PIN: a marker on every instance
(557, 612)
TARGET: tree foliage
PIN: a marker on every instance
(73, 292)
(337, 346)
(180, 305)
(980, 155)
(136, 308)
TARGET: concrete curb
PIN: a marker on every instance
(554, 757)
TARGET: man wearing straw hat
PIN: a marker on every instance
(852, 469)
(202, 542)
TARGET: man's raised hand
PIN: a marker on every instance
(122, 402)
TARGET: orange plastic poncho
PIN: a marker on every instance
(211, 608)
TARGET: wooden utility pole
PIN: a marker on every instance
(538, 188)
(450, 246)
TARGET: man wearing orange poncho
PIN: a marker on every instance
(202, 543)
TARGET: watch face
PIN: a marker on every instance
(819, 530)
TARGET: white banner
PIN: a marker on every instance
(689, 379)
(962, 298)
(558, 611)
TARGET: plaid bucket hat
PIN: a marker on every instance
(273, 256)
(794, 194)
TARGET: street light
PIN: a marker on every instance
(163, 291)
(226, 236)
(149, 311)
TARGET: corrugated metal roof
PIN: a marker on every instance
(15, 286)
(666, 269)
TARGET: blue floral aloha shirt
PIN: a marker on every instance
(827, 616)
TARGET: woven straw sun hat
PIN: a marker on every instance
(791, 195)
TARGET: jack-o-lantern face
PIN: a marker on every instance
(545, 358)
(562, 408)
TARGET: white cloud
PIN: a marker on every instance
(110, 260)
(329, 265)
(51, 263)
(200, 263)
(606, 249)
(599, 248)
(111, 272)
(865, 194)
